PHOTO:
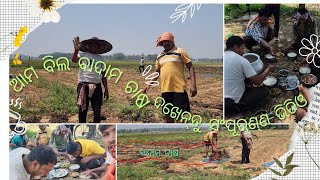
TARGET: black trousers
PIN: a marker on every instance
(95, 163)
(180, 100)
(141, 67)
(245, 151)
(250, 99)
(275, 10)
(250, 42)
(96, 103)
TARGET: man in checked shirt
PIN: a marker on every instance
(258, 31)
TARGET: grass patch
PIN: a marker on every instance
(132, 171)
(60, 98)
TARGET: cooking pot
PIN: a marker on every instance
(255, 61)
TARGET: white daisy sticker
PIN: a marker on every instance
(47, 8)
(311, 50)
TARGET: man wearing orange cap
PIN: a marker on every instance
(209, 139)
(170, 65)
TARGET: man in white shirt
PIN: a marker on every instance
(236, 69)
(24, 164)
(89, 86)
(141, 66)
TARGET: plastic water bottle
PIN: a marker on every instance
(296, 91)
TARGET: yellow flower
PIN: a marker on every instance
(16, 60)
(17, 41)
(23, 30)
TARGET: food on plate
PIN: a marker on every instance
(60, 158)
(270, 81)
(279, 54)
(275, 91)
(65, 165)
(304, 70)
(309, 79)
(74, 174)
(60, 173)
(83, 176)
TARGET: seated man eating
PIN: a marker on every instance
(258, 31)
(303, 27)
(88, 153)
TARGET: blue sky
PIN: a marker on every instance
(131, 29)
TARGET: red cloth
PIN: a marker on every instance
(82, 100)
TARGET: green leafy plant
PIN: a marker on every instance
(288, 167)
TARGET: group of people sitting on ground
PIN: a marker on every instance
(38, 161)
(238, 70)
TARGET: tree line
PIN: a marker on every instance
(115, 56)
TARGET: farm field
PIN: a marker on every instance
(52, 97)
(190, 162)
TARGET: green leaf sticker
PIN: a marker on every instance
(275, 172)
(278, 162)
(287, 171)
(291, 166)
(289, 159)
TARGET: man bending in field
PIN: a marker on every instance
(211, 138)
